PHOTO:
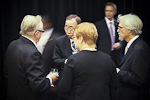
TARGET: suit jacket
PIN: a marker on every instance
(48, 52)
(135, 72)
(24, 70)
(62, 51)
(89, 75)
(104, 40)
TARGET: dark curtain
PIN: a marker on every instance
(13, 11)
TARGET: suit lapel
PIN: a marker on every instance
(106, 28)
(130, 51)
(67, 46)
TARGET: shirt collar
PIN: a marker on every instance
(71, 40)
(30, 39)
(108, 21)
(132, 40)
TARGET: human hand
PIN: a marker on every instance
(116, 46)
(53, 76)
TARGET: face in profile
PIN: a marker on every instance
(110, 12)
(69, 28)
(122, 31)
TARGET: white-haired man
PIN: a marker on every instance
(134, 69)
(24, 64)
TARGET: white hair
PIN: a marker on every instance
(30, 25)
(133, 23)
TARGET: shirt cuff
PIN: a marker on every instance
(66, 61)
(51, 84)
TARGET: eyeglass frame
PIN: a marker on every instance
(71, 28)
(39, 31)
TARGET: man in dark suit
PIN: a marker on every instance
(89, 74)
(47, 41)
(64, 44)
(24, 64)
(46, 46)
(108, 37)
(134, 72)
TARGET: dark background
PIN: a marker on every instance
(13, 11)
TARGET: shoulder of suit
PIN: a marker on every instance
(100, 22)
(61, 39)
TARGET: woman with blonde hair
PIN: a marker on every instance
(89, 74)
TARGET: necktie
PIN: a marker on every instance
(73, 48)
(126, 49)
(111, 35)
(73, 45)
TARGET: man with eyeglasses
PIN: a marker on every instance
(24, 67)
(64, 46)
(134, 72)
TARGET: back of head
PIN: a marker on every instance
(47, 21)
(133, 23)
(88, 31)
(30, 24)
(71, 16)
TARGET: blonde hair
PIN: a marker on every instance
(133, 23)
(30, 24)
(88, 31)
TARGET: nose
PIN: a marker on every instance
(118, 30)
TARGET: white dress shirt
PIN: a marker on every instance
(43, 40)
(132, 40)
(108, 24)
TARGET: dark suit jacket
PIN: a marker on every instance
(135, 72)
(89, 75)
(62, 51)
(24, 70)
(104, 40)
(48, 52)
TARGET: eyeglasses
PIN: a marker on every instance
(73, 37)
(69, 28)
(41, 31)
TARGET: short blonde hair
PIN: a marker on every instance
(133, 23)
(30, 24)
(88, 31)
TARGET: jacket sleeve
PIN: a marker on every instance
(65, 84)
(58, 61)
(35, 73)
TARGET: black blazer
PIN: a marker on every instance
(104, 40)
(48, 52)
(135, 72)
(24, 71)
(62, 51)
(89, 75)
